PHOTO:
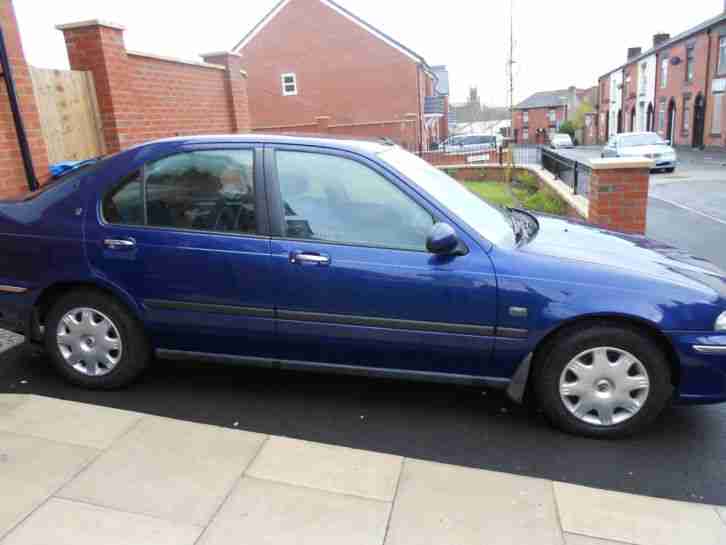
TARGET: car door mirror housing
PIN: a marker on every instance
(442, 240)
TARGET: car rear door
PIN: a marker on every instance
(185, 236)
(355, 285)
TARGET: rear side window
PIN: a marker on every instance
(125, 204)
(201, 190)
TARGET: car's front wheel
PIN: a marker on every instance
(94, 341)
(604, 381)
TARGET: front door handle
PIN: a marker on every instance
(119, 243)
(304, 258)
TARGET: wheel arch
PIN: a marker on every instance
(51, 293)
(545, 344)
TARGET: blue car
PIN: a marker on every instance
(354, 257)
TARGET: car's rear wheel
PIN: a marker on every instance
(94, 341)
(603, 381)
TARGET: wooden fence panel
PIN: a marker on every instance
(69, 116)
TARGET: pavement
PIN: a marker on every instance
(74, 473)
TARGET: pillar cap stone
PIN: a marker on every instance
(90, 23)
(616, 163)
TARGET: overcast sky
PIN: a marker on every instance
(558, 42)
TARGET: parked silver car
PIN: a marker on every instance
(561, 141)
(642, 144)
(470, 142)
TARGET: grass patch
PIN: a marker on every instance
(531, 198)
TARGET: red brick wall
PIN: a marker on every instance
(715, 140)
(677, 86)
(342, 71)
(538, 120)
(619, 199)
(13, 181)
(143, 98)
(630, 97)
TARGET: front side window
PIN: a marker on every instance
(722, 55)
(333, 199)
(664, 73)
(525, 134)
(525, 117)
(661, 116)
(289, 84)
(200, 190)
(644, 78)
(552, 116)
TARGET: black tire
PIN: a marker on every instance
(134, 357)
(670, 170)
(565, 347)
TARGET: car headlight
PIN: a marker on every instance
(721, 322)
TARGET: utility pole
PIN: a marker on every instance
(510, 69)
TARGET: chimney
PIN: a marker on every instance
(636, 51)
(661, 38)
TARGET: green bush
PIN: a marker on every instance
(527, 180)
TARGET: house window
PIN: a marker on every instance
(525, 134)
(686, 114)
(289, 84)
(716, 122)
(552, 116)
(525, 118)
(690, 62)
(661, 116)
(664, 73)
(722, 55)
(644, 78)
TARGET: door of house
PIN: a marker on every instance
(699, 120)
(671, 121)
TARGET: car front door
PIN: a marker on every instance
(355, 285)
(184, 236)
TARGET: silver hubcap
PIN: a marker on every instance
(604, 386)
(89, 342)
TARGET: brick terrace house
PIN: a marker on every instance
(676, 88)
(315, 67)
(535, 119)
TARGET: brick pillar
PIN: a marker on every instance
(98, 47)
(323, 122)
(13, 180)
(236, 88)
(619, 194)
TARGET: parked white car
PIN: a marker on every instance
(561, 141)
(643, 144)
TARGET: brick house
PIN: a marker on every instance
(676, 88)
(316, 67)
(535, 119)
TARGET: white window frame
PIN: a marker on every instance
(525, 117)
(717, 113)
(552, 115)
(284, 84)
(525, 135)
(664, 72)
(721, 66)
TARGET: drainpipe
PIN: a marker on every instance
(7, 75)
(709, 86)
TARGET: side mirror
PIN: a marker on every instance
(442, 240)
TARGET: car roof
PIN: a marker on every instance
(347, 143)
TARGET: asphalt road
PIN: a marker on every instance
(682, 457)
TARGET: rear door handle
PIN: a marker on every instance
(119, 243)
(304, 258)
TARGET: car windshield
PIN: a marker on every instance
(561, 138)
(641, 140)
(495, 224)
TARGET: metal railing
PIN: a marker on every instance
(574, 173)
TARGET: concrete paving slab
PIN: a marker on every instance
(10, 402)
(68, 422)
(636, 519)
(63, 522)
(574, 539)
(447, 505)
(331, 468)
(722, 513)
(32, 469)
(270, 513)
(165, 468)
